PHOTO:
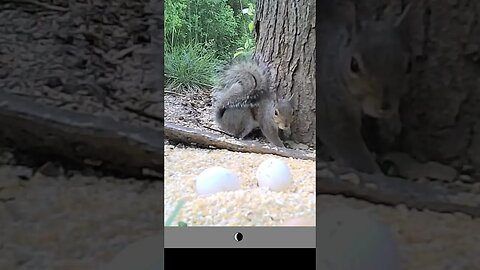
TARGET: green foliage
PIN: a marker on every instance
(199, 34)
(246, 49)
(174, 19)
(247, 43)
(201, 21)
(189, 66)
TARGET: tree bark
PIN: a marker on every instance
(285, 36)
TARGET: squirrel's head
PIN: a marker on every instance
(283, 116)
(378, 66)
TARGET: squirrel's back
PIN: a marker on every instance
(243, 84)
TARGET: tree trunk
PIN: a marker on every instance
(285, 36)
(440, 115)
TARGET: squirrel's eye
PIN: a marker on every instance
(276, 112)
(354, 65)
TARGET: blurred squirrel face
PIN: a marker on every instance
(283, 116)
(378, 73)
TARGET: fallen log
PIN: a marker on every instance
(392, 191)
(77, 138)
(187, 135)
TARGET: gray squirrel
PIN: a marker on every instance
(244, 101)
(363, 70)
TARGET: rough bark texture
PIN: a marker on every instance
(285, 35)
(440, 115)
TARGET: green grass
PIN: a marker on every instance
(189, 67)
(175, 213)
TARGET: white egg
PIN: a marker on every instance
(216, 179)
(274, 174)
(352, 239)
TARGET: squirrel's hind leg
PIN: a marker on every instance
(249, 124)
(238, 122)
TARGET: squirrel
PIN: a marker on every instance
(244, 101)
(363, 70)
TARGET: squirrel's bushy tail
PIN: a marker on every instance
(242, 84)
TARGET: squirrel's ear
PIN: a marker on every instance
(342, 12)
(354, 26)
(406, 24)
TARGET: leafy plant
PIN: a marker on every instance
(247, 48)
(200, 22)
(189, 66)
(200, 35)
(248, 44)
(174, 18)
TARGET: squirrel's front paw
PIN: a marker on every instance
(280, 145)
